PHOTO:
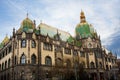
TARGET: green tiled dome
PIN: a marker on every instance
(84, 30)
(27, 24)
(5, 41)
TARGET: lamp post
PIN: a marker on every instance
(75, 65)
(47, 75)
(21, 75)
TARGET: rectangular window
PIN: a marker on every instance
(3, 54)
(82, 54)
(10, 49)
(23, 43)
(57, 48)
(6, 51)
(109, 59)
(67, 51)
(75, 52)
(0, 56)
(47, 46)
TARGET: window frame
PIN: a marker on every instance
(23, 43)
(33, 44)
(23, 59)
(48, 61)
(33, 59)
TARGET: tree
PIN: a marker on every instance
(82, 74)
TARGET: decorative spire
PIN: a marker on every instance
(34, 23)
(14, 32)
(82, 17)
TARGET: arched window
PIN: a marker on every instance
(68, 63)
(23, 43)
(23, 59)
(110, 67)
(5, 64)
(107, 68)
(2, 66)
(15, 60)
(59, 62)
(33, 59)
(48, 61)
(33, 44)
(100, 64)
(76, 64)
(92, 65)
(8, 63)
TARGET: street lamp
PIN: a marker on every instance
(47, 75)
(21, 75)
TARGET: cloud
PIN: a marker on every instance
(64, 14)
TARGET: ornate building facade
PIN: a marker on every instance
(37, 53)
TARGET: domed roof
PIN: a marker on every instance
(27, 25)
(5, 41)
(83, 29)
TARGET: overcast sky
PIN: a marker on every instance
(104, 15)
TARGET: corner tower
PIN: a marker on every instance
(86, 34)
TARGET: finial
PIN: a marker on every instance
(40, 21)
(14, 32)
(57, 31)
(82, 17)
(39, 30)
(34, 23)
(13, 29)
(27, 14)
(82, 11)
(6, 34)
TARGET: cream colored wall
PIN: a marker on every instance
(34, 50)
(45, 53)
(91, 57)
(82, 59)
(6, 58)
(67, 56)
(23, 50)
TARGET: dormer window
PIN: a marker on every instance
(23, 43)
